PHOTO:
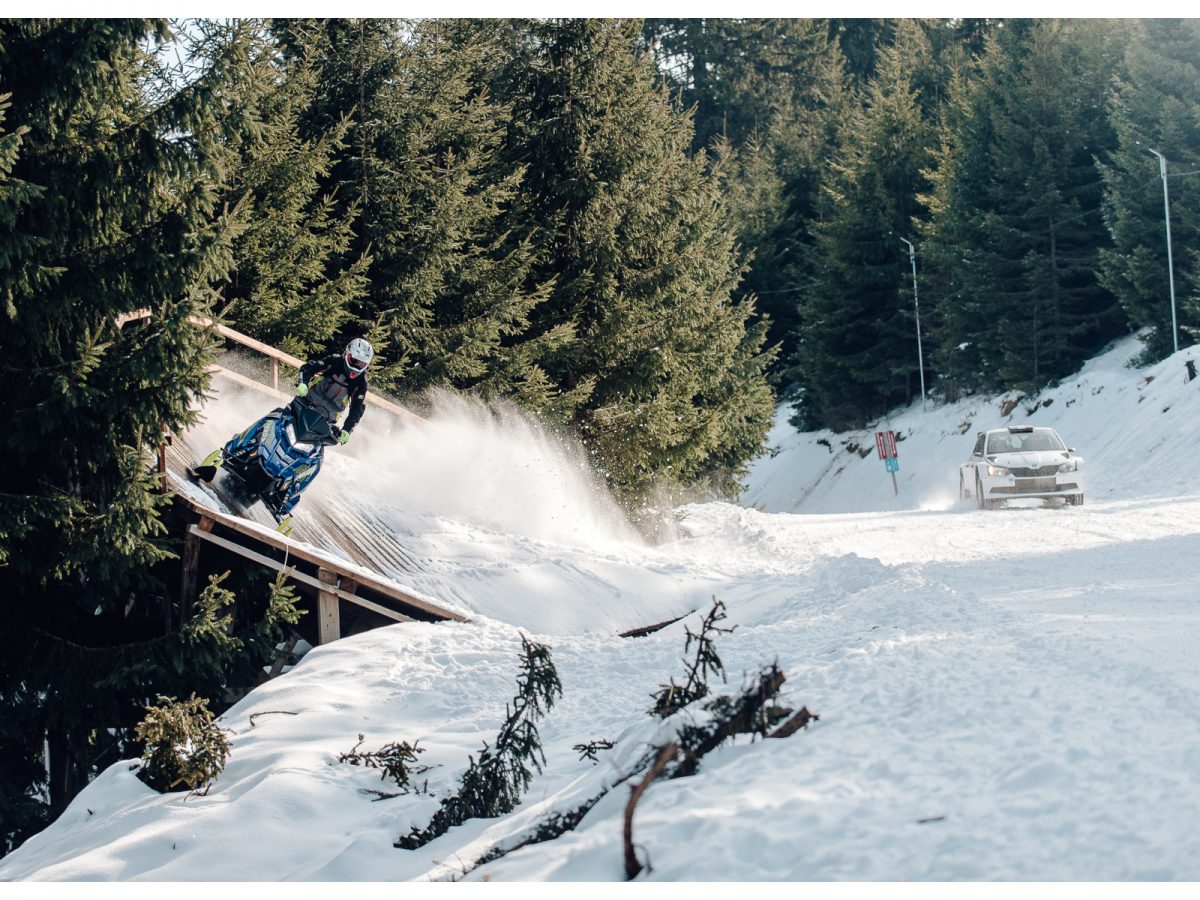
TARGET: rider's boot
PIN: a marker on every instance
(208, 466)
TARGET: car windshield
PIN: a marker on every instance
(1031, 441)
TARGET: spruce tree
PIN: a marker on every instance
(450, 292)
(451, 286)
(857, 348)
(956, 242)
(665, 375)
(769, 95)
(1016, 200)
(296, 277)
(1156, 106)
(113, 165)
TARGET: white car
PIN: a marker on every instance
(1019, 463)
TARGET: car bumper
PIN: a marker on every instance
(1009, 487)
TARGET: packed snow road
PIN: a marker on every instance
(1005, 695)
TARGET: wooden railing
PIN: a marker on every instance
(276, 356)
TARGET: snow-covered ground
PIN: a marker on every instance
(1003, 696)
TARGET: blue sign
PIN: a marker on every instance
(892, 463)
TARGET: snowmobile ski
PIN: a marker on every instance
(207, 469)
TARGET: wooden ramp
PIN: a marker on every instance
(353, 566)
(333, 580)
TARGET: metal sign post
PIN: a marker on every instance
(885, 444)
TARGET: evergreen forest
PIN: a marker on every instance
(648, 234)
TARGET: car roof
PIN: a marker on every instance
(1018, 429)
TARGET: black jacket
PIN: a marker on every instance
(331, 388)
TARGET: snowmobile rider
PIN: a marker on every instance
(337, 381)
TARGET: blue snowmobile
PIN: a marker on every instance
(274, 459)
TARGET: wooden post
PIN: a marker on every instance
(282, 658)
(274, 373)
(164, 480)
(329, 624)
(191, 563)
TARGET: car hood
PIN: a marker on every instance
(1030, 459)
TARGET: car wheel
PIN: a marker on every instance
(963, 493)
(983, 504)
(1077, 500)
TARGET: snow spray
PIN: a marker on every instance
(487, 464)
(491, 465)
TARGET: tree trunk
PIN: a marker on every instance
(67, 767)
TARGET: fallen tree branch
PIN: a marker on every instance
(632, 865)
(745, 712)
(799, 720)
(738, 715)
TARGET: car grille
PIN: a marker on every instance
(1040, 472)
(1035, 486)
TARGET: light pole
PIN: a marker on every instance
(912, 258)
(1162, 170)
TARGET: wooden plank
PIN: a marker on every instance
(191, 563)
(247, 341)
(372, 399)
(247, 382)
(164, 480)
(329, 621)
(279, 542)
(277, 566)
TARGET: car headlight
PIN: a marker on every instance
(997, 470)
(1069, 466)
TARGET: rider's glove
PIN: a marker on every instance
(343, 436)
(302, 389)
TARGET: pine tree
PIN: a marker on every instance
(857, 348)
(295, 277)
(450, 294)
(665, 376)
(768, 95)
(111, 203)
(1016, 222)
(452, 290)
(1156, 106)
(955, 243)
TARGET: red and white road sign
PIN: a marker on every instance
(885, 443)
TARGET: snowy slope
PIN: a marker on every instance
(1136, 429)
(1004, 695)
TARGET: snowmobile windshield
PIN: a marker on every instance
(309, 425)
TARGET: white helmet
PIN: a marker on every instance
(358, 356)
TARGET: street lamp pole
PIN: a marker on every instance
(1162, 170)
(912, 258)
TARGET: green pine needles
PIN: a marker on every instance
(185, 748)
(397, 761)
(493, 784)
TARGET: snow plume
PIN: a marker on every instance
(491, 465)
